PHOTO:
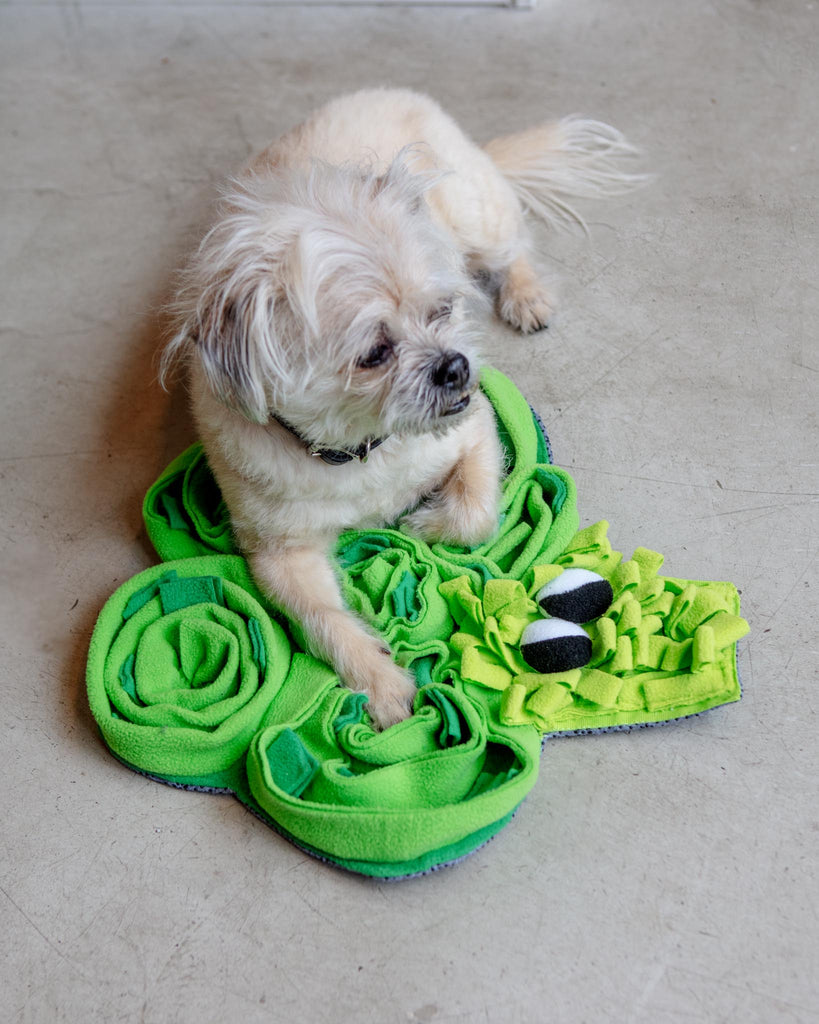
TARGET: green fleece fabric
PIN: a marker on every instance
(195, 678)
(191, 674)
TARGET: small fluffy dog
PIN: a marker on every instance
(326, 324)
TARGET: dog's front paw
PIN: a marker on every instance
(463, 523)
(390, 688)
(427, 522)
(391, 694)
(392, 702)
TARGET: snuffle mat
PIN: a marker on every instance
(196, 680)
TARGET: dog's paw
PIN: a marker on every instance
(391, 695)
(527, 305)
(462, 523)
(391, 689)
(427, 522)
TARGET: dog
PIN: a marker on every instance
(328, 323)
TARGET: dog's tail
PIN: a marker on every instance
(555, 163)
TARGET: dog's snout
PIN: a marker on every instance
(451, 371)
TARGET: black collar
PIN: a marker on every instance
(332, 456)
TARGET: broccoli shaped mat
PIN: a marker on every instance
(195, 679)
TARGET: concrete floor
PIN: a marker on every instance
(657, 876)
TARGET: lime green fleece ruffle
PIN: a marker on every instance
(664, 648)
(193, 677)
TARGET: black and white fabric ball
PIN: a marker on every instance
(555, 645)
(577, 595)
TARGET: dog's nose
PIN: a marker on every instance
(451, 372)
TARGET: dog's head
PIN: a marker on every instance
(330, 298)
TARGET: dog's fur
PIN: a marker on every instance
(331, 305)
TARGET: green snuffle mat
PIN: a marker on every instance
(195, 679)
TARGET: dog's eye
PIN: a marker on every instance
(442, 312)
(379, 354)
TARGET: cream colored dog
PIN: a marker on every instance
(326, 323)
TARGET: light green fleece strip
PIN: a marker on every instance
(664, 649)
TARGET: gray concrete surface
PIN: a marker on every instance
(665, 875)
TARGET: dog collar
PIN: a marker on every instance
(332, 456)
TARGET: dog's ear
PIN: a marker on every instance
(232, 306)
(390, 183)
(234, 338)
(409, 185)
